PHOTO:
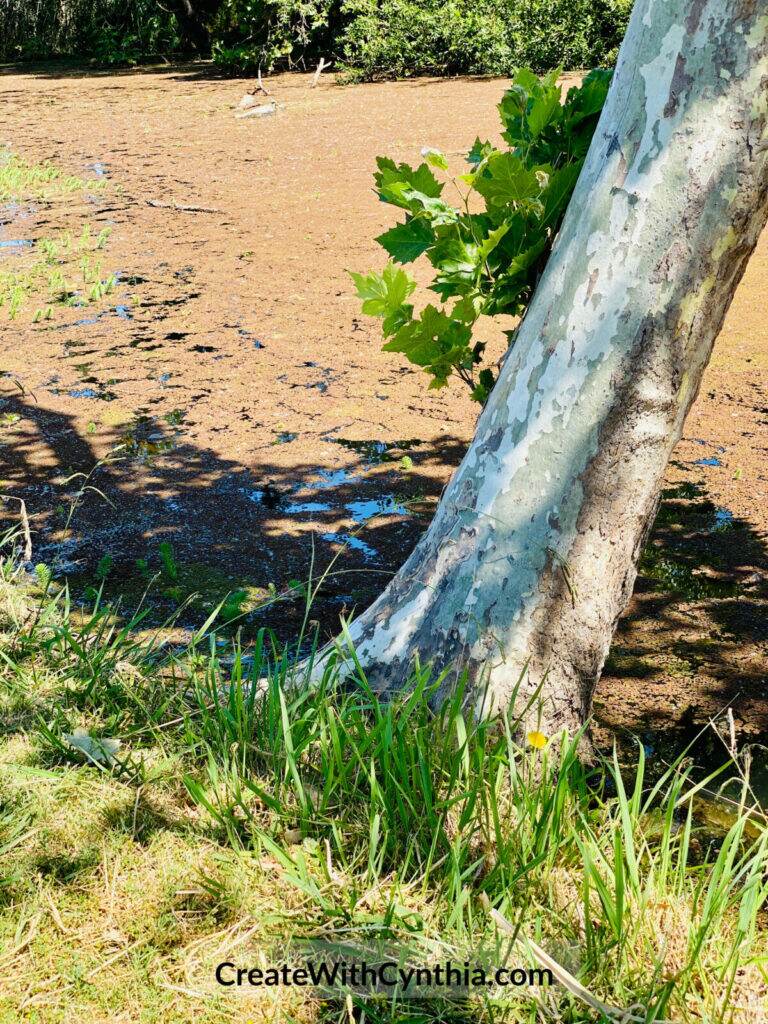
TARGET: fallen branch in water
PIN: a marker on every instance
(181, 207)
(320, 68)
(263, 110)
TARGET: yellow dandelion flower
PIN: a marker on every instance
(537, 740)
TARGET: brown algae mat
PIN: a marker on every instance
(238, 410)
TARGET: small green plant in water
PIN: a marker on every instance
(486, 263)
(170, 566)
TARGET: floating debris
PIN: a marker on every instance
(262, 110)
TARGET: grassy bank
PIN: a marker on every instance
(230, 826)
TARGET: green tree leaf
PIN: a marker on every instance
(506, 181)
(394, 180)
(383, 293)
(408, 241)
(479, 152)
(587, 100)
(558, 192)
(435, 158)
(484, 262)
(544, 109)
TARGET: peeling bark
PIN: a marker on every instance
(531, 556)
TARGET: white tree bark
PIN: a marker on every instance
(531, 556)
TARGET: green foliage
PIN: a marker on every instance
(167, 557)
(106, 31)
(367, 39)
(325, 810)
(371, 39)
(396, 38)
(249, 34)
(486, 263)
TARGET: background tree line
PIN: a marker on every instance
(367, 39)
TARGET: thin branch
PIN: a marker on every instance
(183, 208)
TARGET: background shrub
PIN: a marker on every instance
(108, 31)
(384, 38)
(367, 39)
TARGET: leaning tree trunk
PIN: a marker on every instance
(532, 553)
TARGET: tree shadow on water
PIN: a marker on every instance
(694, 639)
(161, 508)
(190, 521)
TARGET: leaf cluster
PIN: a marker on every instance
(488, 252)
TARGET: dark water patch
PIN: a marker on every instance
(388, 505)
(674, 574)
(101, 394)
(303, 507)
(143, 442)
(249, 336)
(120, 311)
(179, 301)
(333, 478)
(355, 543)
(139, 342)
(321, 385)
(710, 749)
(686, 491)
(723, 520)
(268, 495)
(374, 453)
(16, 243)
(706, 444)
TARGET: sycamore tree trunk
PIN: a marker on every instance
(532, 553)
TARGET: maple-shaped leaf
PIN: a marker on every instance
(406, 242)
(506, 181)
(394, 180)
(383, 293)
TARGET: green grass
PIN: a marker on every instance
(21, 181)
(246, 811)
(57, 271)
